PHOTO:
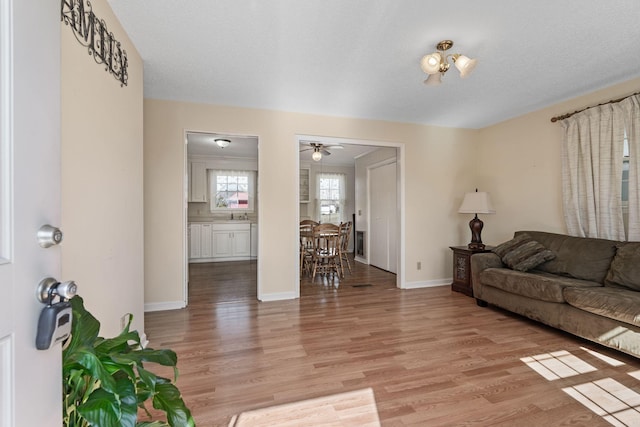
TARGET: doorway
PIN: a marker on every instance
(221, 213)
(361, 156)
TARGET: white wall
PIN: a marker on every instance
(519, 164)
(438, 171)
(102, 189)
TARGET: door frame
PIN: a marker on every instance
(400, 173)
(185, 211)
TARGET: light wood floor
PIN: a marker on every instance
(431, 356)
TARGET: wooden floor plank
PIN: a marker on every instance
(430, 356)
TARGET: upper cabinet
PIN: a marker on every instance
(304, 185)
(197, 181)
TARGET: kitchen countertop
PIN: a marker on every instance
(229, 221)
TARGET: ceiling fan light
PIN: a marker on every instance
(434, 79)
(317, 155)
(222, 143)
(430, 64)
(465, 65)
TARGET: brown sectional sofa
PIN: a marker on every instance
(590, 289)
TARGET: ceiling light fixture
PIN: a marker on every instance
(222, 143)
(317, 155)
(437, 63)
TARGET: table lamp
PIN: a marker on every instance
(476, 203)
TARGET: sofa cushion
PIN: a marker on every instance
(580, 257)
(619, 304)
(537, 285)
(625, 267)
(522, 253)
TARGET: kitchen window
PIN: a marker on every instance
(232, 190)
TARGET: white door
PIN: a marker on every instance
(383, 219)
(30, 380)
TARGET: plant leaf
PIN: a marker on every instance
(87, 359)
(101, 409)
(84, 327)
(128, 402)
(168, 399)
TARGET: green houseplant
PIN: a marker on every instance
(105, 381)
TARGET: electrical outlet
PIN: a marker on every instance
(419, 266)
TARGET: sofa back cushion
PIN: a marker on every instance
(625, 267)
(579, 257)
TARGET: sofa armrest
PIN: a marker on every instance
(479, 263)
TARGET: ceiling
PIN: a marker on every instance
(203, 144)
(360, 58)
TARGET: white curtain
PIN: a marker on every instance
(592, 155)
(631, 108)
(337, 194)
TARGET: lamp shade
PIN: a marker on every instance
(478, 202)
(433, 79)
(222, 143)
(430, 64)
(316, 155)
(465, 65)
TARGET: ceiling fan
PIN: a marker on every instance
(319, 149)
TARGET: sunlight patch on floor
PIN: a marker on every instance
(556, 365)
(354, 408)
(606, 359)
(611, 400)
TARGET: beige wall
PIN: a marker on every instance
(519, 164)
(438, 170)
(102, 189)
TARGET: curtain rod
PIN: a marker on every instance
(613, 101)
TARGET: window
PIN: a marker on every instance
(330, 189)
(231, 190)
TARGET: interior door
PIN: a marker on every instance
(383, 218)
(30, 379)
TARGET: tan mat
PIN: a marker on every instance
(354, 408)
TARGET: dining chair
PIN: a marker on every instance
(345, 234)
(326, 250)
(306, 245)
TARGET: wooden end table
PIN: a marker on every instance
(462, 281)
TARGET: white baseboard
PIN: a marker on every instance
(361, 260)
(162, 306)
(278, 296)
(427, 284)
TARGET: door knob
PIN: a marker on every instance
(50, 287)
(49, 236)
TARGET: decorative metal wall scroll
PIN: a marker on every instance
(92, 33)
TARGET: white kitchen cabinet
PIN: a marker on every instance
(195, 232)
(304, 185)
(254, 241)
(231, 241)
(197, 182)
(221, 243)
(210, 242)
(205, 241)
